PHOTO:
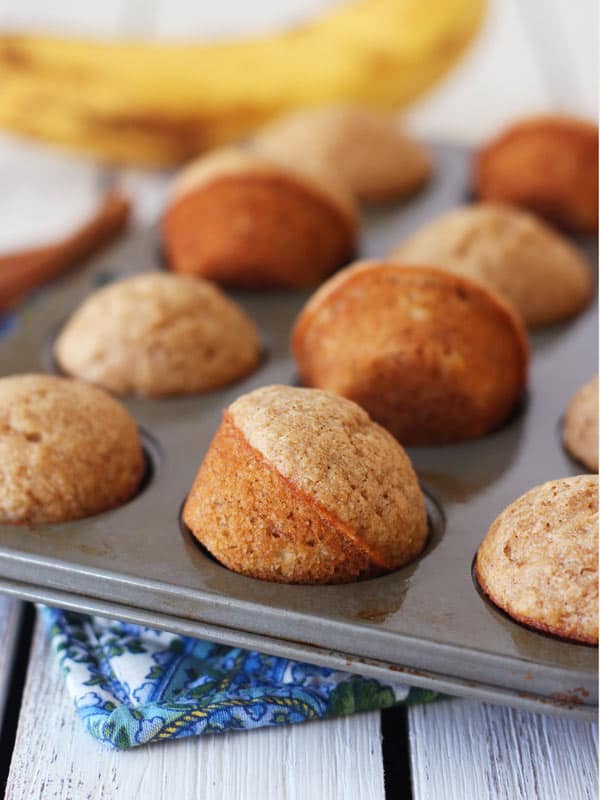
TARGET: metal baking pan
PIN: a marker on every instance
(425, 624)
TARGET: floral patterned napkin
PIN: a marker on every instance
(133, 685)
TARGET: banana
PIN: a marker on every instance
(159, 104)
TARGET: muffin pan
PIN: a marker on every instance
(425, 624)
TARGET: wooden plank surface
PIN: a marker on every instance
(54, 759)
(462, 750)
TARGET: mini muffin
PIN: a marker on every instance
(431, 356)
(67, 450)
(539, 272)
(539, 560)
(580, 429)
(158, 334)
(548, 165)
(300, 486)
(241, 221)
(364, 147)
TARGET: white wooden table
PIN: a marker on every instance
(458, 749)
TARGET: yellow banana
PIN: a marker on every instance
(158, 104)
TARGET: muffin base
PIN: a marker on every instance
(258, 523)
(530, 622)
(257, 232)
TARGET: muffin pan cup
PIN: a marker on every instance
(426, 624)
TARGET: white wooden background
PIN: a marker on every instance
(532, 55)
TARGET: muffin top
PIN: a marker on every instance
(67, 450)
(331, 450)
(539, 560)
(158, 334)
(538, 271)
(363, 147)
(393, 292)
(548, 164)
(580, 431)
(431, 356)
(231, 163)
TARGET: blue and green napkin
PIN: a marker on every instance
(133, 685)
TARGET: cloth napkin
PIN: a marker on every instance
(133, 685)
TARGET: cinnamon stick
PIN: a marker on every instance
(25, 270)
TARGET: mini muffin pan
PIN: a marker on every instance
(426, 624)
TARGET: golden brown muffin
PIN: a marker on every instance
(67, 450)
(364, 147)
(546, 164)
(158, 334)
(580, 429)
(539, 560)
(238, 220)
(431, 356)
(511, 252)
(300, 486)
